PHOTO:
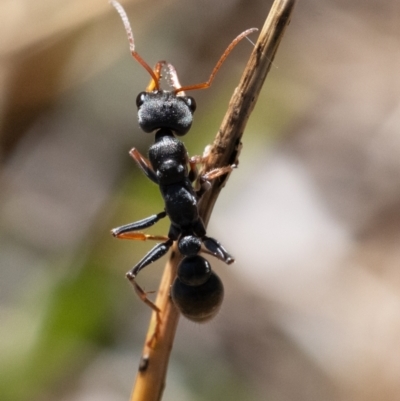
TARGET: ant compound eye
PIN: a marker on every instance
(191, 103)
(140, 99)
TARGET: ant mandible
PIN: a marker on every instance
(197, 291)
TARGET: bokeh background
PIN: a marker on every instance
(312, 304)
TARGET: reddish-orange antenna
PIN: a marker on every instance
(207, 84)
(154, 85)
(154, 75)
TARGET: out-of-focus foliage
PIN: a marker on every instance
(312, 306)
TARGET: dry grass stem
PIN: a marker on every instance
(225, 150)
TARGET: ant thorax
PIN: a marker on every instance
(168, 158)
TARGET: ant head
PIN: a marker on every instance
(163, 109)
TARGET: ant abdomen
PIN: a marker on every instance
(194, 270)
(197, 291)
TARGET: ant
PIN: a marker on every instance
(197, 291)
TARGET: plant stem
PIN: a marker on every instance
(150, 381)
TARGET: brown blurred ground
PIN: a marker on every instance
(312, 306)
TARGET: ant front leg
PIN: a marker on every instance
(204, 180)
(195, 160)
(144, 164)
(201, 186)
(217, 172)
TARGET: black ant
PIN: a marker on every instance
(197, 291)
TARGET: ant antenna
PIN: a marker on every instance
(134, 53)
(207, 84)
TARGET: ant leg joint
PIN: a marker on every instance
(216, 249)
(130, 276)
(196, 159)
(207, 151)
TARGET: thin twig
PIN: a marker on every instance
(227, 144)
(150, 381)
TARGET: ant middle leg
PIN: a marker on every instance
(126, 230)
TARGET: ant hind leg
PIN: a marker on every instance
(156, 253)
(143, 296)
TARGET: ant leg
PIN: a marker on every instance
(143, 296)
(204, 181)
(195, 160)
(217, 172)
(138, 236)
(144, 165)
(126, 230)
(200, 186)
(217, 250)
(156, 253)
(193, 171)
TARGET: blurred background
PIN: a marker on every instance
(312, 304)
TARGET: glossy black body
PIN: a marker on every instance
(197, 290)
(168, 157)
